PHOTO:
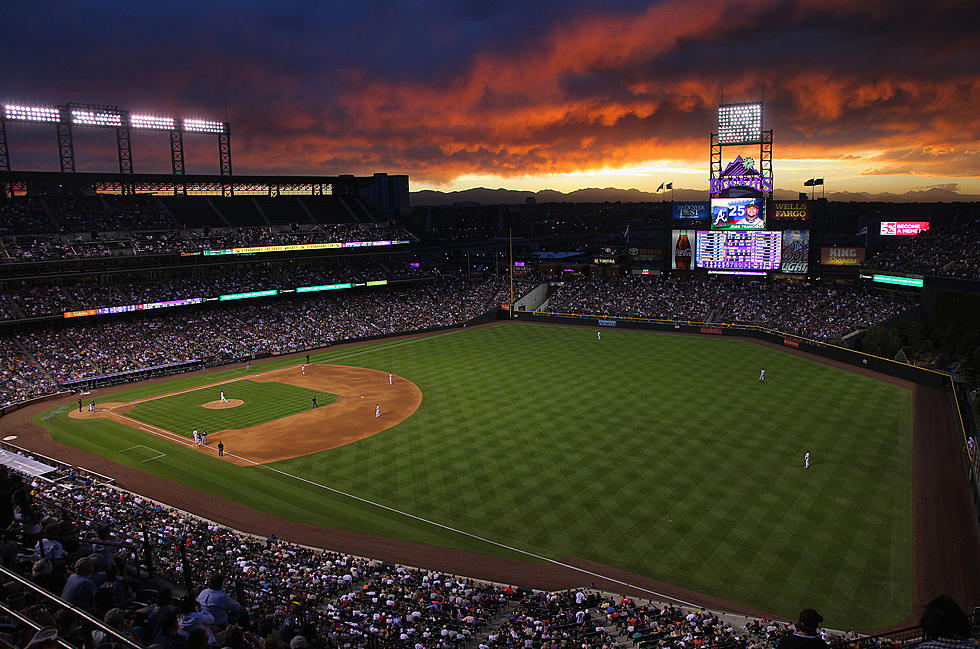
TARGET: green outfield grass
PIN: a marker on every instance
(658, 454)
(263, 401)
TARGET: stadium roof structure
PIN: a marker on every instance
(79, 183)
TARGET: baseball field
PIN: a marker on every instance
(657, 455)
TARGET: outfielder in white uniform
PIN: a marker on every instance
(598, 336)
(806, 460)
(762, 375)
(223, 400)
(377, 411)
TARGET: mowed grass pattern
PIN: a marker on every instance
(659, 454)
(263, 401)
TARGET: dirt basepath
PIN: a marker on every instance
(947, 542)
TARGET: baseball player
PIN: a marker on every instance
(204, 437)
(221, 449)
(223, 400)
(598, 336)
(806, 460)
(303, 369)
(377, 411)
(762, 375)
(79, 405)
(197, 437)
(248, 366)
(91, 405)
(314, 403)
(389, 378)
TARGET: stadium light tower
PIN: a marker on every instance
(741, 124)
(106, 116)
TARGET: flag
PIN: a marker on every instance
(809, 183)
(818, 181)
(670, 185)
(661, 187)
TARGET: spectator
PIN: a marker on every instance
(79, 589)
(805, 635)
(217, 603)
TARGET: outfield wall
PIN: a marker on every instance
(904, 371)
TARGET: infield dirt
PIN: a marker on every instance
(348, 419)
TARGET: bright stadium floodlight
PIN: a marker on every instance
(95, 117)
(740, 123)
(152, 122)
(203, 126)
(31, 113)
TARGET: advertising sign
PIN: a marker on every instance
(738, 214)
(684, 210)
(682, 247)
(842, 255)
(797, 210)
(902, 228)
(796, 251)
(790, 342)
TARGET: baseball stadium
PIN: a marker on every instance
(300, 406)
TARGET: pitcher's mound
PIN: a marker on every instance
(221, 405)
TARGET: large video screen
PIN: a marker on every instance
(736, 250)
(738, 214)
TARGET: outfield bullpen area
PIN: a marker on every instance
(645, 462)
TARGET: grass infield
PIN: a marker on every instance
(181, 413)
(659, 454)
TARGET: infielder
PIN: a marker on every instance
(303, 369)
(806, 460)
(197, 437)
(377, 411)
(223, 400)
(91, 405)
(389, 378)
(204, 437)
(762, 375)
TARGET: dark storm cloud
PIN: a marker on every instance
(440, 89)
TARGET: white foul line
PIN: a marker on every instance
(180, 439)
(462, 532)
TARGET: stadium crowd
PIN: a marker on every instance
(213, 586)
(815, 311)
(36, 359)
(947, 249)
(36, 229)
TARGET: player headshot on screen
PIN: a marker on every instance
(753, 218)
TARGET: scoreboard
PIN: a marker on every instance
(739, 250)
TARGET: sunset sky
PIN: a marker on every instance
(878, 96)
